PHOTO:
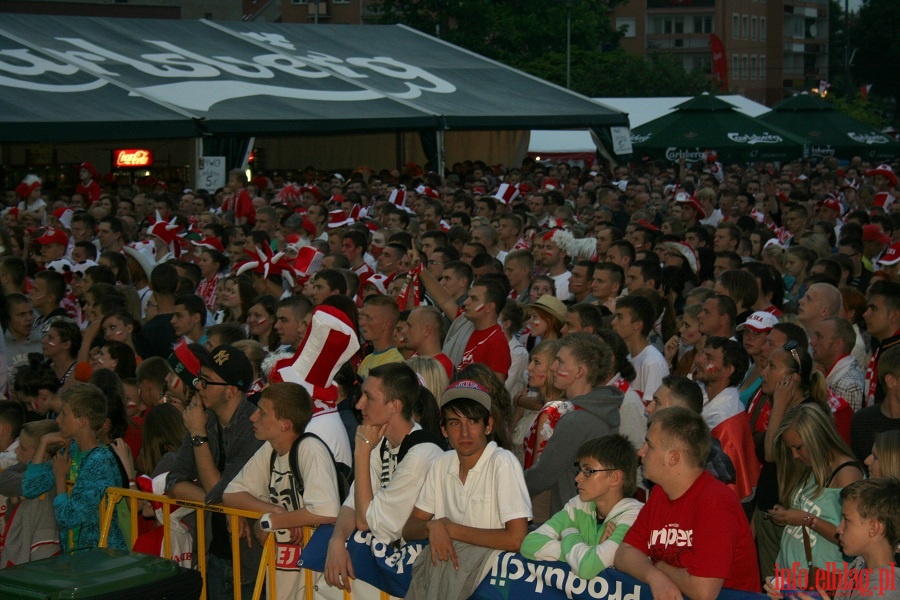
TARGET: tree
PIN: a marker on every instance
(837, 41)
(511, 31)
(866, 111)
(531, 35)
(877, 49)
(621, 74)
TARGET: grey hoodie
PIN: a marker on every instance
(599, 416)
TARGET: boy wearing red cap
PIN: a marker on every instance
(88, 186)
(53, 244)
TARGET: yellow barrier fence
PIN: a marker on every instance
(267, 563)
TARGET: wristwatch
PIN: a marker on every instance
(265, 522)
(199, 440)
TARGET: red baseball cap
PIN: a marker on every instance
(683, 198)
(761, 320)
(873, 233)
(891, 256)
(831, 203)
(53, 236)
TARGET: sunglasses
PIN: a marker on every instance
(791, 347)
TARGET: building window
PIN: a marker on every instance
(744, 27)
(744, 68)
(762, 67)
(754, 74)
(626, 26)
(298, 2)
(753, 28)
(735, 66)
(703, 24)
(735, 26)
(700, 64)
(762, 29)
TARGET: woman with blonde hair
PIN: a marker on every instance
(885, 458)
(431, 374)
(539, 391)
(681, 350)
(773, 255)
(818, 243)
(553, 403)
(814, 464)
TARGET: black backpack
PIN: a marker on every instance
(343, 472)
(419, 436)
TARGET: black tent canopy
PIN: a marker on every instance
(94, 79)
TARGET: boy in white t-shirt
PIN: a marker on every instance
(473, 504)
(633, 320)
(267, 483)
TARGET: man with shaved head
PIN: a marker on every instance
(822, 300)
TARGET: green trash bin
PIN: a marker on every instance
(100, 574)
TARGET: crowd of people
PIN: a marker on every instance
(690, 373)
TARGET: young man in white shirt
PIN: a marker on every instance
(386, 485)
(473, 504)
(267, 483)
(633, 320)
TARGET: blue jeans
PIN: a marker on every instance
(220, 581)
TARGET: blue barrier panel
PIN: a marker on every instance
(512, 577)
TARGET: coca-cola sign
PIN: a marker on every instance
(129, 158)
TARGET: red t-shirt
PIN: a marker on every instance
(704, 531)
(446, 363)
(490, 348)
(91, 191)
(242, 205)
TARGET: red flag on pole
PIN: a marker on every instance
(719, 62)
(864, 92)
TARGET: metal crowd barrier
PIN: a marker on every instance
(267, 563)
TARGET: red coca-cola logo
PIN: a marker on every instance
(133, 157)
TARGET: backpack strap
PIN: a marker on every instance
(341, 474)
(419, 436)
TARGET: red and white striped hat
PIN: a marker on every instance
(507, 193)
(329, 343)
(338, 218)
(398, 199)
(308, 261)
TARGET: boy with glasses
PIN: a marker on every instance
(588, 531)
